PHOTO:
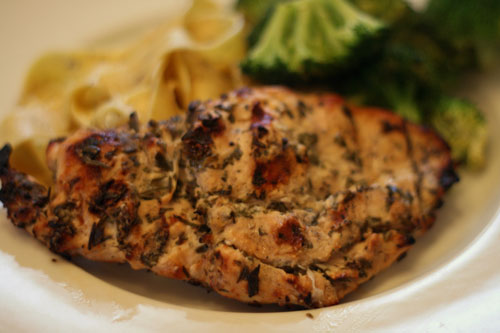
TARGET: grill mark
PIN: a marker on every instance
(348, 113)
(414, 165)
(358, 162)
(333, 281)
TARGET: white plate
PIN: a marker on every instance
(449, 280)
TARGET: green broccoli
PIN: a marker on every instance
(467, 19)
(412, 70)
(415, 48)
(470, 24)
(463, 126)
(310, 39)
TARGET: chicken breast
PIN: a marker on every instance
(265, 195)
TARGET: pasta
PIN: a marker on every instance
(194, 56)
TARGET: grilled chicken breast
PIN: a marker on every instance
(265, 196)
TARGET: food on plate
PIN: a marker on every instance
(265, 195)
(191, 56)
(382, 53)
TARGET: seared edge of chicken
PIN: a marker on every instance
(265, 196)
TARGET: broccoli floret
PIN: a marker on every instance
(463, 126)
(470, 24)
(388, 11)
(415, 47)
(310, 39)
(413, 69)
(467, 19)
